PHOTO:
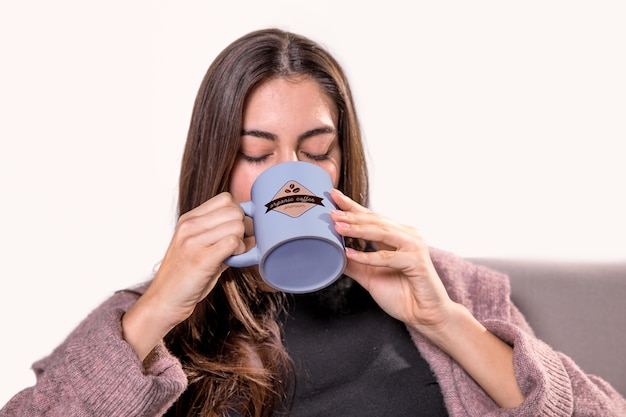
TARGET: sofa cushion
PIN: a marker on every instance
(579, 308)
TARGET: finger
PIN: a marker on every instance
(207, 237)
(225, 247)
(369, 277)
(383, 258)
(249, 243)
(345, 203)
(351, 213)
(358, 271)
(217, 202)
(376, 228)
(193, 226)
(206, 258)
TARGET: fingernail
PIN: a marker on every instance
(339, 213)
(342, 225)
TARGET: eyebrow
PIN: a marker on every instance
(309, 133)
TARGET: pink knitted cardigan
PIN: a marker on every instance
(95, 373)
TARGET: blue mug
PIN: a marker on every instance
(297, 248)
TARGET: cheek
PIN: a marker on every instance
(241, 181)
(333, 167)
(333, 171)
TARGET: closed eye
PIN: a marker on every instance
(254, 159)
(316, 157)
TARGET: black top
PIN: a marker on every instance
(355, 360)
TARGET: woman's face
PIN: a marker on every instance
(286, 120)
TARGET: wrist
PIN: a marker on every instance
(143, 328)
(448, 332)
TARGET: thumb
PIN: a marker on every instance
(358, 272)
(249, 243)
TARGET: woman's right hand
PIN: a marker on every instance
(203, 239)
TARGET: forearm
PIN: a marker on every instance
(95, 373)
(485, 357)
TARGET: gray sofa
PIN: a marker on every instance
(579, 308)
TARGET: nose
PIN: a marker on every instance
(288, 155)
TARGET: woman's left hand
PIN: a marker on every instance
(402, 279)
(399, 275)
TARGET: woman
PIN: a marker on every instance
(203, 339)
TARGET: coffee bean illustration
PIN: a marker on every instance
(292, 189)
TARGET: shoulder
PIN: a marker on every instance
(481, 289)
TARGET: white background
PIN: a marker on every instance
(496, 128)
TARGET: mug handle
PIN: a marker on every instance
(250, 257)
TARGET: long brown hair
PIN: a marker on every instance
(231, 346)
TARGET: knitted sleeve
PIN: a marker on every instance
(94, 372)
(551, 382)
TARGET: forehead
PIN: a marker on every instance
(278, 99)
